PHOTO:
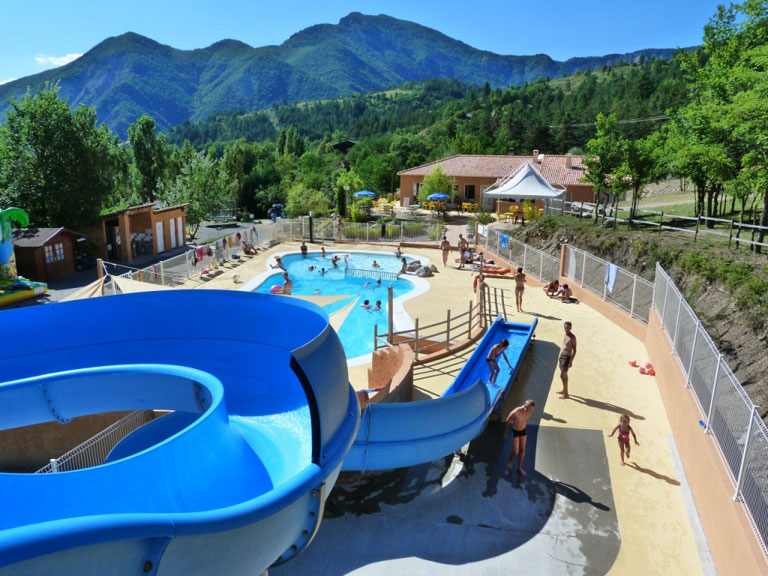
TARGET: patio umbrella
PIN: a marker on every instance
(438, 196)
(365, 194)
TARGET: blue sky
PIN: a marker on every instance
(50, 33)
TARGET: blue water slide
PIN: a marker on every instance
(405, 434)
(232, 481)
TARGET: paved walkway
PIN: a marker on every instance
(579, 512)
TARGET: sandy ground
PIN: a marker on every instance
(656, 530)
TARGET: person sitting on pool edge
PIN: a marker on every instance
(404, 267)
(278, 263)
(551, 288)
(304, 249)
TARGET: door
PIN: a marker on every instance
(172, 222)
(469, 192)
(160, 237)
(180, 231)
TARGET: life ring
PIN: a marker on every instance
(276, 289)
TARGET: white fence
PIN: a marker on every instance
(536, 262)
(727, 412)
(628, 291)
(200, 260)
(94, 451)
(625, 289)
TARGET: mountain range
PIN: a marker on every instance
(129, 75)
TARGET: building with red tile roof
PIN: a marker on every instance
(476, 173)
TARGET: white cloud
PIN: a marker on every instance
(56, 60)
(7, 80)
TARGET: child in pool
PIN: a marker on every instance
(378, 305)
(624, 431)
(366, 305)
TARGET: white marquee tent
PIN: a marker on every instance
(525, 183)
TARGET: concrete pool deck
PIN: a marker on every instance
(579, 512)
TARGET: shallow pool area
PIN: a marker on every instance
(355, 279)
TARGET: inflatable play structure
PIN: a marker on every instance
(234, 478)
(230, 482)
(13, 287)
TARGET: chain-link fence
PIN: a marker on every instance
(543, 266)
(628, 291)
(728, 413)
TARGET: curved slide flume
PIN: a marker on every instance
(233, 481)
(410, 433)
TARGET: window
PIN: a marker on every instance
(54, 253)
(469, 192)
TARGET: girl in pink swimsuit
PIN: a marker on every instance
(624, 430)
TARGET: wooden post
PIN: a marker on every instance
(99, 268)
(448, 331)
(469, 322)
(416, 341)
(390, 317)
(730, 233)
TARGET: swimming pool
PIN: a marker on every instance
(356, 331)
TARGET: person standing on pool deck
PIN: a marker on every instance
(287, 284)
(518, 421)
(445, 246)
(463, 247)
(496, 351)
(519, 288)
(567, 354)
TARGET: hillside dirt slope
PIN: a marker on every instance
(732, 311)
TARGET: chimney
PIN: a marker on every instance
(535, 156)
(511, 151)
(568, 161)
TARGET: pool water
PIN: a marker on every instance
(356, 333)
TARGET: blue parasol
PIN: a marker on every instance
(438, 196)
(365, 194)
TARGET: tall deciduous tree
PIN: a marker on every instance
(58, 165)
(605, 156)
(436, 182)
(149, 155)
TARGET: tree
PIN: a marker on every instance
(436, 182)
(347, 183)
(605, 156)
(202, 187)
(149, 155)
(57, 164)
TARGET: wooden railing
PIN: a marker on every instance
(446, 335)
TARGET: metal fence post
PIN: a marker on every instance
(162, 272)
(54, 465)
(664, 305)
(401, 231)
(693, 353)
(677, 319)
(740, 477)
(525, 256)
(498, 243)
(632, 304)
(541, 266)
(583, 268)
(714, 390)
